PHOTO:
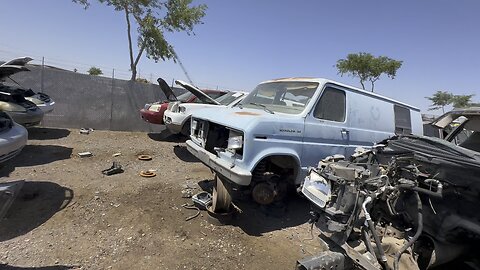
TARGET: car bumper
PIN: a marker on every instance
(29, 118)
(173, 128)
(12, 142)
(174, 121)
(235, 174)
(152, 117)
(47, 107)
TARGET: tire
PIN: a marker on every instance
(222, 199)
(186, 128)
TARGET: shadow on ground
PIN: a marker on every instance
(33, 155)
(166, 136)
(39, 133)
(182, 153)
(56, 267)
(36, 203)
(257, 219)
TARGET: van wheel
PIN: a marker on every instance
(222, 199)
(269, 191)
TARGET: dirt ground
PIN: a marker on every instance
(70, 216)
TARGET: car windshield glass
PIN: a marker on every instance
(185, 97)
(228, 98)
(284, 97)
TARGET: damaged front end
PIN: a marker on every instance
(409, 203)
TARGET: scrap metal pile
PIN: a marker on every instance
(408, 203)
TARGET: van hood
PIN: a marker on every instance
(240, 118)
(197, 92)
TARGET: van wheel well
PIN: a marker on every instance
(271, 178)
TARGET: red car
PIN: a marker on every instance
(153, 113)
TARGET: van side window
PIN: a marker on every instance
(331, 105)
(403, 123)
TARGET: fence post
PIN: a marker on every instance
(111, 99)
(41, 74)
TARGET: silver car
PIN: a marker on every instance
(24, 105)
(13, 137)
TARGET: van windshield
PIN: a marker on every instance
(284, 97)
(229, 98)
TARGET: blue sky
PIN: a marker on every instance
(242, 43)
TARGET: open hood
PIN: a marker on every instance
(445, 119)
(13, 66)
(197, 92)
(167, 90)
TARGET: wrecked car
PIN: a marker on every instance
(153, 112)
(17, 65)
(177, 116)
(266, 143)
(13, 137)
(407, 203)
(22, 111)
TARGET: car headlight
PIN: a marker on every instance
(15, 108)
(147, 106)
(235, 140)
(317, 189)
(174, 107)
(181, 109)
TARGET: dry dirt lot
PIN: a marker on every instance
(70, 216)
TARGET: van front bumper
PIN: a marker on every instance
(226, 169)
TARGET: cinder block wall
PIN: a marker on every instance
(93, 101)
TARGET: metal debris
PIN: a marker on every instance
(115, 169)
(85, 154)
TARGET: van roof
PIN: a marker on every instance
(323, 81)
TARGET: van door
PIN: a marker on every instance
(326, 131)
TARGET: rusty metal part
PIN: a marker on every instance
(246, 113)
(263, 193)
(222, 199)
(219, 219)
(192, 207)
(145, 157)
(147, 174)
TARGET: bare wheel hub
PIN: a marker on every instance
(264, 193)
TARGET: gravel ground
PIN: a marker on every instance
(70, 216)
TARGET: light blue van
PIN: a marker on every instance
(268, 141)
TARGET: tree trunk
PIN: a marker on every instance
(363, 86)
(133, 66)
(373, 85)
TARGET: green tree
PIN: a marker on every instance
(439, 100)
(153, 18)
(367, 67)
(462, 101)
(142, 80)
(95, 71)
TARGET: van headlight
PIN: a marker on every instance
(193, 124)
(235, 140)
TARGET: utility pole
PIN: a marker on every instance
(183, 68)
